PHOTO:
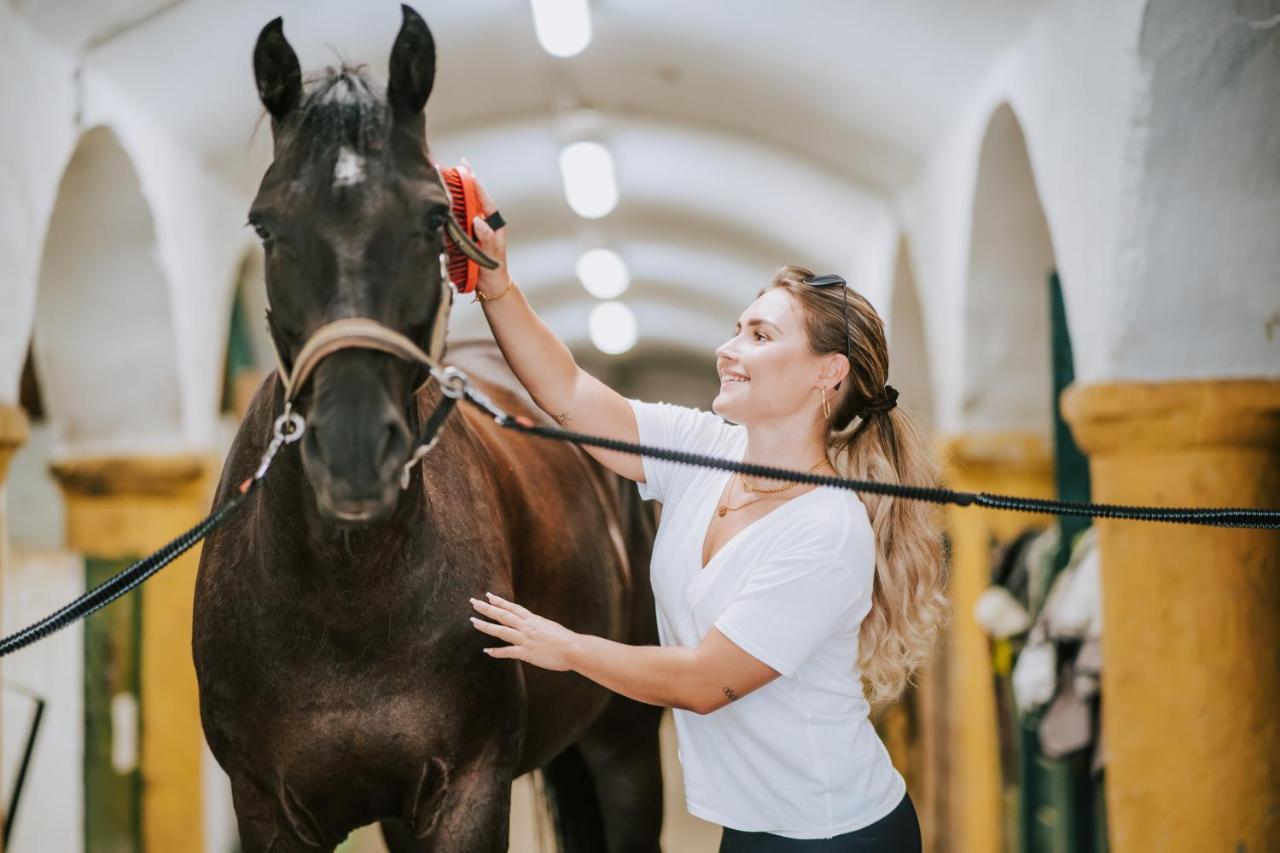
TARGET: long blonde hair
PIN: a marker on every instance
(908, 606)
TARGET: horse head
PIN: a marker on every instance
(351, 214)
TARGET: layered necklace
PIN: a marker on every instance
(759, 492)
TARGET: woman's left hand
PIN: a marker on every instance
(533, 639)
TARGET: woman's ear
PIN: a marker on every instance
(835, 369)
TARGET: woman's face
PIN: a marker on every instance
(766, 369)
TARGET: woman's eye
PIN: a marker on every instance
(761, 336)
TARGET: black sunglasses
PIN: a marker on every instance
(827, 281)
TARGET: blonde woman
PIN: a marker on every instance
(784, 610)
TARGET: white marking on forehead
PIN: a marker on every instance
(349, 169)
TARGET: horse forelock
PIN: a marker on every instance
(341, 127)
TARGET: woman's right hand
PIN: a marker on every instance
(492, 243)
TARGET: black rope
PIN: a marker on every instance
(125, 580)
(1266, 519)
(438, 415)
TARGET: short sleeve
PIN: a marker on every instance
(678, 428)
(797, 599)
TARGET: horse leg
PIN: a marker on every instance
(269, 823)
(468, 811)
(621, 750)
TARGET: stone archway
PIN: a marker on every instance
(104, 328)
(1006, 378)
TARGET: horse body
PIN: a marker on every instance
(341, 681)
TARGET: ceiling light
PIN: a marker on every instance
(613, 328)
(586, 168)
(603, 273)
(563, 27)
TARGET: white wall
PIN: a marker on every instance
(1200, 237)
(1071, 82)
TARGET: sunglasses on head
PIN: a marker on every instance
(830, 280)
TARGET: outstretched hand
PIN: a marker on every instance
(532, 638)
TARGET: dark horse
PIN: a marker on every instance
(341, 682)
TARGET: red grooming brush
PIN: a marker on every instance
(458, 180)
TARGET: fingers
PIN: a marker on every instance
(486, 202)
(484, 234)
(508, 620)
(498, 614)
(502, 632)
(522, 612)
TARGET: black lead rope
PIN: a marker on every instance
(124, 581)
(289, 427)
(1266, 519)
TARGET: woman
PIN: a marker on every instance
(776, 601)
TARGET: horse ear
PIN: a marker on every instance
(276, 68)
(412, 66)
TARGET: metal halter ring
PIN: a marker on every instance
(291, 419)
(453, 382)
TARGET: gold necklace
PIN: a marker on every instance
(726, 508)
(759, 491)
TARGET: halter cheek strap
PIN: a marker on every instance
(363, 333)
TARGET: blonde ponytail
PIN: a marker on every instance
(873, 439)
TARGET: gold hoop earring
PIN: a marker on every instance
(826, 408)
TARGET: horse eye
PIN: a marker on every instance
(437, 218)
(263, 234)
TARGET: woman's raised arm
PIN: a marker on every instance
(542, 362)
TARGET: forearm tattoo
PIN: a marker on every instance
(728, 691)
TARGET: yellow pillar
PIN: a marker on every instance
(126, 507)
(1191, 615)
(14, 429)
(1000, 462)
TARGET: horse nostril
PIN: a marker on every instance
(388, 436)
(394, 442)
(311, 441)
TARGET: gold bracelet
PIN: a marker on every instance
(481, 298)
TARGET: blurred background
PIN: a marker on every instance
(1065, 210)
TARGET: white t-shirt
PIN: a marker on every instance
(797, 757)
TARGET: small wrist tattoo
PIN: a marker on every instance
(728, 691)
(562, 419)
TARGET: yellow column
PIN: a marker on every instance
(123, 507)
(1191, 615)
(14, 429)
(999, 462)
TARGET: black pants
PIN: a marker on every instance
(896, 832)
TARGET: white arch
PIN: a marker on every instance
(104, 336)
(1006, 379)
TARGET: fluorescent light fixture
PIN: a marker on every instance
(563, 27)
(586, 168)
(603, 273)
(613, 327)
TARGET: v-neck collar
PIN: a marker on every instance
(715, 505)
